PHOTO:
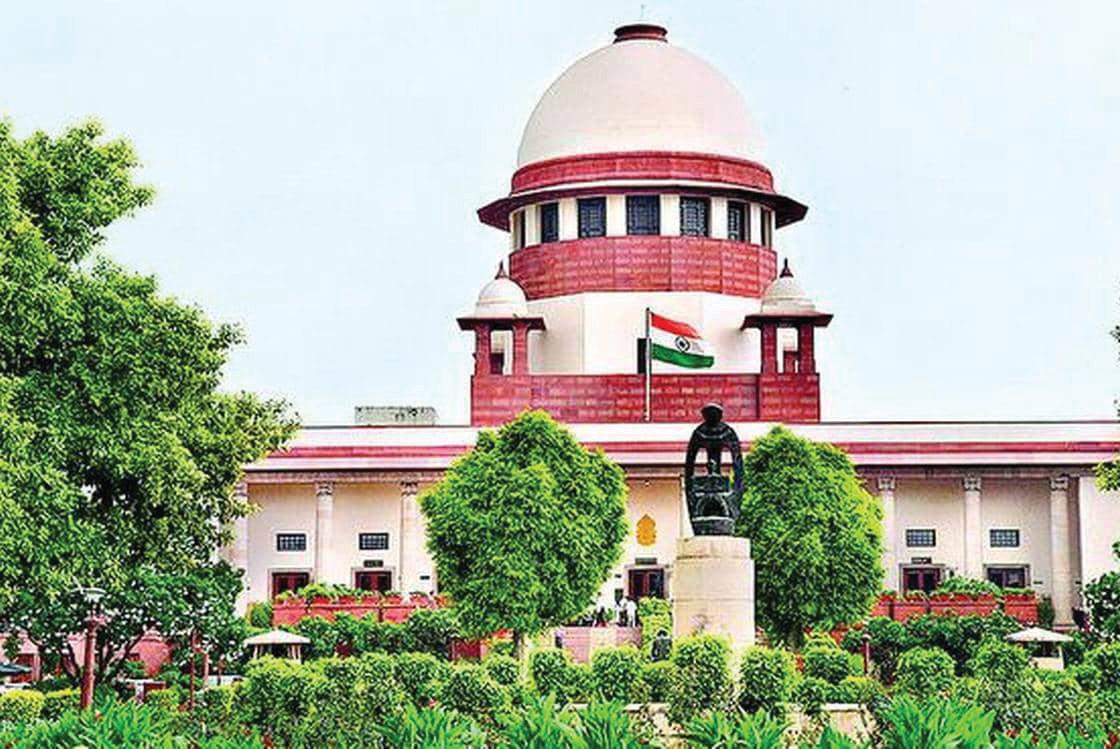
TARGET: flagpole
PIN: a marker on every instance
(649, 367)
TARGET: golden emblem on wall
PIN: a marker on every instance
(647, 531)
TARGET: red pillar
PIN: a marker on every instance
(521, 348)
(481, 350)
(805, 348)
(769, 348)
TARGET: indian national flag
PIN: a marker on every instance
(677, 343)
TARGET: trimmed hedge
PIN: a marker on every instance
(58, 701)
(827, 662)
(925, 672)
(766, 677)
(471, 691)
(702, 677)
(421, 676)
(615, 672)
(504, 669)
(20, 705)
(655, 682)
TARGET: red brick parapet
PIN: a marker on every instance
(646, 165)
(620, 398)
(643, 263)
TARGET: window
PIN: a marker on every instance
(1009, 577)
(694, 217)
(643, 214)
(379, 580)
(550, 222)
(282, 582)
(921, 537)
(738, 223)
(767, 227)
(1003, 538)
(592, 217)
(925, 579)
(373, 541)
(291, 542)
(518, 230)
(497, 362)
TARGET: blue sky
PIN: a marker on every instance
(319, 166)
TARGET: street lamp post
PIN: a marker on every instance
(92, 598)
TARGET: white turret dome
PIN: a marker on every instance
(640, 94)
(500, 298)
(784, 295)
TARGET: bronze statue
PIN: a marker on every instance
(713, 498)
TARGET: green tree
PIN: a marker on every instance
(118, 452)
(525, 528)
(815, 536)
(1108, 474)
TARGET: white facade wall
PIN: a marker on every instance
(597, 332)
(937, 503)
(1099, 528)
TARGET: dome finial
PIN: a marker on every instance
(786, 272)
(641, 30)
(501, 270)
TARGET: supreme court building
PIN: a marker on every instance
(638, 185)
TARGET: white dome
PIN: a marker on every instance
(640, 94)
(784, 295)
(502, 297)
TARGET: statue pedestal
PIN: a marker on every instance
(713, 589)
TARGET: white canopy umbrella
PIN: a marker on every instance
(1050, 659)
(1038, 634)
(277, 641)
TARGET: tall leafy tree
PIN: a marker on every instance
(525, 528)
(1108, 474)
(816, 535)
(118, 451)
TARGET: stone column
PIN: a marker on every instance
(890, 532)
(414, 559)
(482, 350)
(808, 363)
(686, 522)
(769, 335)
(973, 533)
(324, 521)
(521, 348)
(1061, 575)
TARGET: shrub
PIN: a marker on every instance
(861, 690)
(999, 661)
(259, 614)
(811, 693)
(1087, 676)
(701, 677)
(504, 669)
(656, 615)
(58, 701)
(828, 663)
(421, 676)
(164, 699)
(385, 637)
(615, 672)
(717, 731)
(276, 695)
(431, 631)
(925, 671)
(20, 705)
(349, 699)
(935, 723)
(655, 682)
(1106, 658)
(969, 586)
(548, 669)
(215, 707)
(889, 639)
(323, 636)
(605, 725)
(471, 691)
(430, 727)
(766, 677)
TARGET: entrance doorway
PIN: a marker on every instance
(924, 579)
(374, 580)
(645, 583)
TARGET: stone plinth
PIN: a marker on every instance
(713, 588)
